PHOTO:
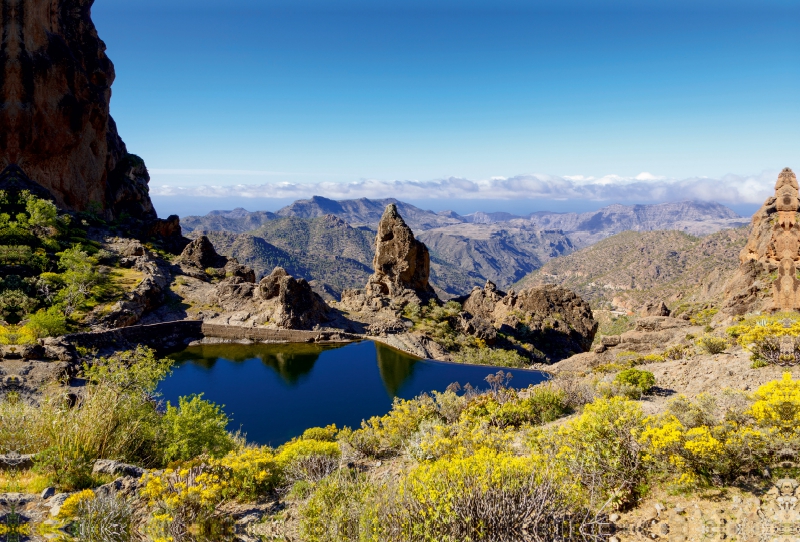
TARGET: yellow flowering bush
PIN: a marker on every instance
(185, 493)
(310, 460)
(386, 435)
(254, 471)
(480, 496)
(705, 448)
(777, 405)
(17, 335)
(601, 450)
(327, 433)
(194, 489)
(340, 510)
(436, 440)
(71, 504)
(763, 335)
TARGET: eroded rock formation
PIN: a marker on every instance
(55, 88)
(553, 319)
(199, 259)
(402, 268)
(773, 248)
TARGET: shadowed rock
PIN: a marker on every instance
(552, 319)
(295, 304)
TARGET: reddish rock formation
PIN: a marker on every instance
(772, 248)
(55, 88)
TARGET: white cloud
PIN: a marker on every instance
(645, 187)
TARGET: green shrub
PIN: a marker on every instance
(195, 427)
(641, 380)
(490, 356)
(115, 418)
(679, 351)
(712, 345)
(47, 323)
(338, 511)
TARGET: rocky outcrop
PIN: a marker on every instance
(402, 269)
(401, 262)
(148, 295)
(295, 304)
(551, 319)
(279, 299)
(199, 259)
(773, 248)
(658, 308)
(54, 109)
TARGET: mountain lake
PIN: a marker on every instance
(273, 392)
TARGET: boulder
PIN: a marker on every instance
(201, 254)
(294, 304)
(116, 468)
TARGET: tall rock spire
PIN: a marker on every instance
(774, 244)
(401, 262)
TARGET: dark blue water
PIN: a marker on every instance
(275, 391)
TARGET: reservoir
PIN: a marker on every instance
(272, 392)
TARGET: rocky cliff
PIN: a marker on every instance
(54, 110)
(769, 261)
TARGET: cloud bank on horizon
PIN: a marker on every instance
(645, 187)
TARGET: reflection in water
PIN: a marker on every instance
(273, 392)
(290, 361)
(395, 367)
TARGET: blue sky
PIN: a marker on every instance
(382, 98)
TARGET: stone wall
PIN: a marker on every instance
(237, 333)
(163, 336)
(169, 336)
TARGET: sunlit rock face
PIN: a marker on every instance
(55, 88)
(772, 249)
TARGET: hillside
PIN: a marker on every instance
(500, 253)
(632, 268)
(238, 221)
(326, 251)
(330, 272)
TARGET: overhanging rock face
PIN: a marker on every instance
(55, 88)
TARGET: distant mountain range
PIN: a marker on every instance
(331, 242)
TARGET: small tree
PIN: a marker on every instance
(196, 427)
